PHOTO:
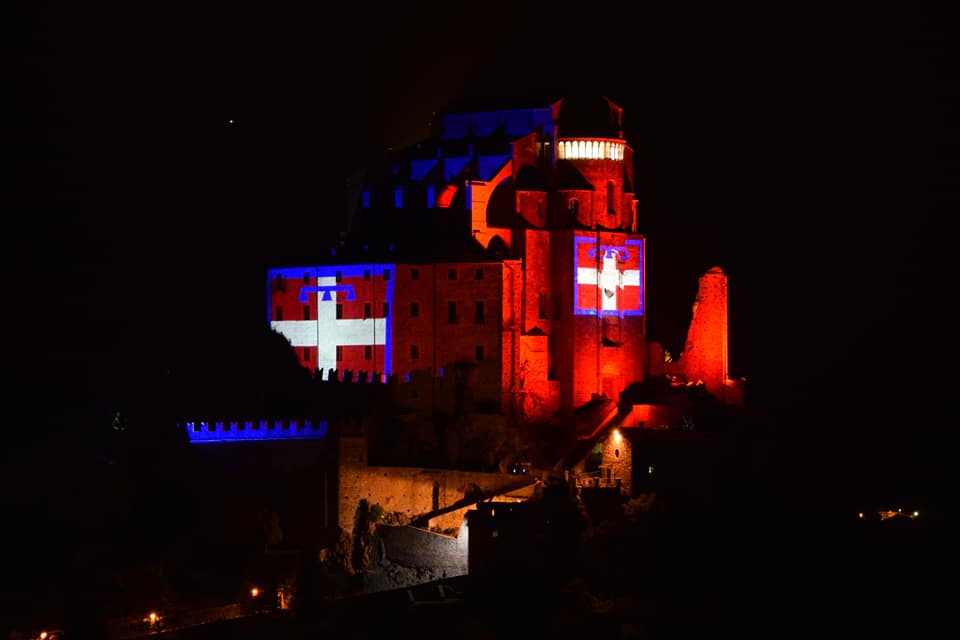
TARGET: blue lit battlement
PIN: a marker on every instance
(203, 432)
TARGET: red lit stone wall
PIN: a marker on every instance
(600, 173)
(537, 271)
(628, 215)
(525, 151)
(705, 355)
(532, 205)
(441, 345)
(562, 325)
(511, 314)
(586, 359)
(416, 330)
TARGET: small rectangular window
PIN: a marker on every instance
(367, 352)
(414, 309)
(452, 312)
(278, 313)
(339, 311)
(478, 274)
(479, 317)
(479, 352)
(306, 312)
(339, 353)
(366, 310)
(414, 352)
(414, 274)
(452, 274)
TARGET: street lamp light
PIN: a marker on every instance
(154, 619)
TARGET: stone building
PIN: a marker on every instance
(506, 248)
(496, 267)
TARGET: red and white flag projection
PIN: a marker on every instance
(336, 317)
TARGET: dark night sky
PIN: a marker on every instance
(808, 152)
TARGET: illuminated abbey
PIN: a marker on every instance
(503, 250)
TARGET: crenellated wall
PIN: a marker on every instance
(202, 431)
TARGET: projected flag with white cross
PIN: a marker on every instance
(609, 278)
(336, 317)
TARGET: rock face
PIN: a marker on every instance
(408, 556)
